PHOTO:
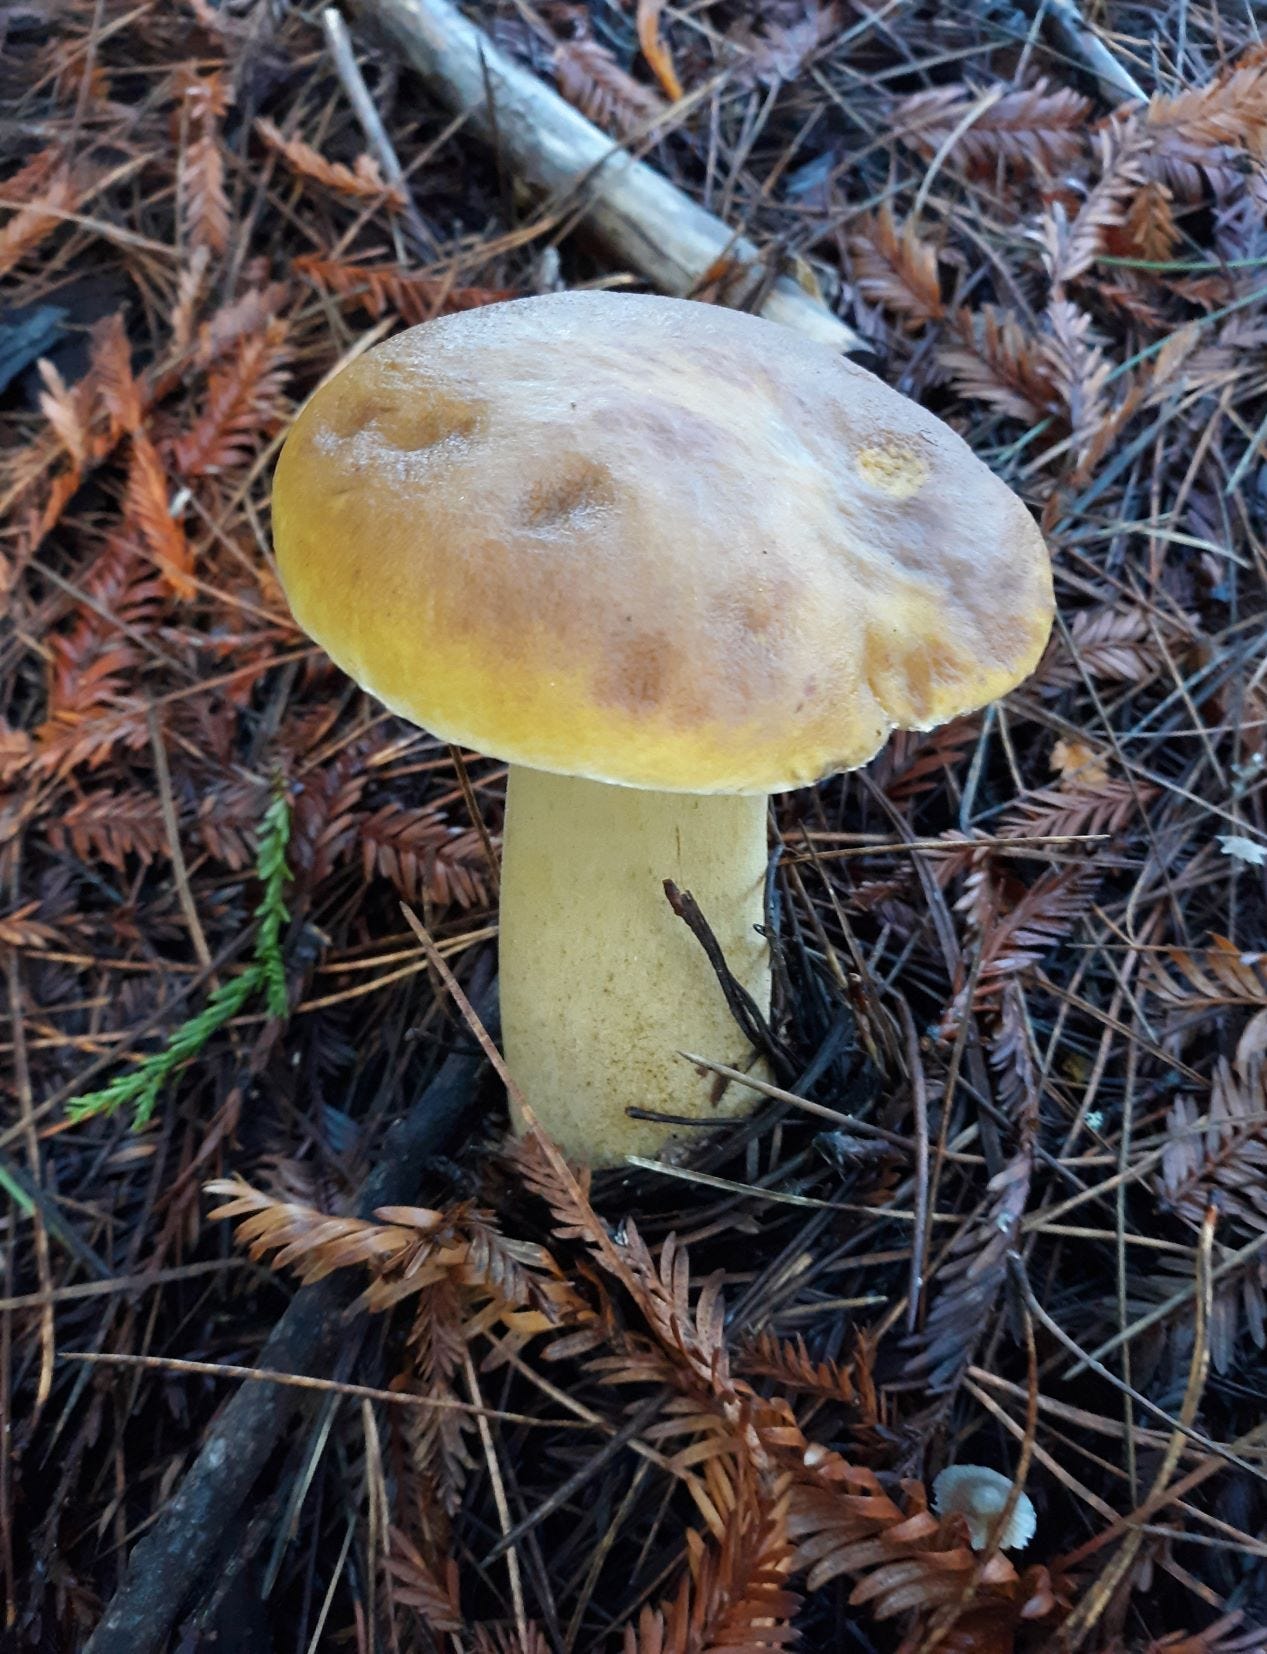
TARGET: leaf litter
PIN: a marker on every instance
(1022, 967)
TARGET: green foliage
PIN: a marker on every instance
(270, 865)
(141, 1087)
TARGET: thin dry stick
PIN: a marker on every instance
(379, 1518)
(980, 106)
(121, 1283)
(336, 1574)
(301, 1381)
(26, 1124)
(353, 81)
(1125, 1130)
(1227, 1454)
(921, 1239)
(1081, 41)
(499, 1499)
(847, 1122)
(171, 826)
(1097, 1599)
(469, 1013)
(1208, 1466)
(477, 817)
(865, 1013)
(456, 944)
(1049, 1461)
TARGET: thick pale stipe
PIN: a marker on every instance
(601, 985)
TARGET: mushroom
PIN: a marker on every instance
(980, 1496)
(666, 559)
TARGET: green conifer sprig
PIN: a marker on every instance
(139, 1088)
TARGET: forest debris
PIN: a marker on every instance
(636, 211)
(166, 1563)
(1096, 332)
(349, 71)
(1081, 40)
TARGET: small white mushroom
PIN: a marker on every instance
(979, 1495)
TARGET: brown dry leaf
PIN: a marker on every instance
(93, 662)
(1118, 644)
(1218, 1152)
(363, 181)
(205, 210)
(425, 857)
(1079, 766)
(1149, 230)
(994, 359)
(116, 385)
(15, 748)
(896, 268)
(30, 178)
(66, 413)
(433, 1592)
(1017, 927)
(245, 404)
(251, 313)
(313, 1242)
(658, 56)
(781, 47)
(37, 220)
(1073, 810)
(1032, 126)
(733, 1596)
(794, 1367)
(106, 827)
(21, 929)
(204, 97)
(590, 78)
(379, 288)
(1072, 245)
(1221, 976)
(1251, 1048)
(206, 205)
(1202, 129)
(148, 506)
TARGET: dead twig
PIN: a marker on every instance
(166, 1563)
(641, 216)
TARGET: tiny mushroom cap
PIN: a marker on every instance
(645, 542)
(980, 1495)
(654, 542)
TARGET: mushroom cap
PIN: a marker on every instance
(653, 542)
(979, 1494)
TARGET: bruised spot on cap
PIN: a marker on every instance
(637, 674)
(408, 424)
(413, 425)
(578, 489)
(894, 466)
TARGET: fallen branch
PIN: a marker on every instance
(640, 216)
(166, 1565)
(1084, 45)
(349, 73)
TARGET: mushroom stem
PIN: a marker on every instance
(601, 985)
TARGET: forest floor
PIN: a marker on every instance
(1025, 1225)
